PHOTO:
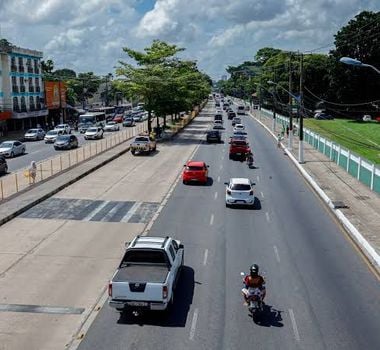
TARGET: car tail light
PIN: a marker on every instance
(251, 192)
(110, 289)
(228, 191)
(164, 292)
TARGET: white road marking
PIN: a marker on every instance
(216, 195)
(193, 324)
(262, 194)
(276, 253)
(130, 212)
(205, 257)
(294, 324)
(211, 219)
(218, 178)
(258, 178)
(267, 216)
(95, 211)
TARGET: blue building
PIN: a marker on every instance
(21, 88)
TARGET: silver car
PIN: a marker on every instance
(34, 134)
(112, 126)
(12, 148)
(52, 135)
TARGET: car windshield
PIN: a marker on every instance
(92, 129)
(194, 168)
(31, 131)
(52, 132)
(240, 187)
(6, 144)
(239, 143)
(141, 139)
(111, 123)
(63, 138)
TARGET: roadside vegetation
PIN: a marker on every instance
(362, 138)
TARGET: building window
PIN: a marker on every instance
(15, 104)
(30, 81)
(14, 81)
(37, 81)
(32, 107)
(23, 104)
(29, 65)
(13, 64)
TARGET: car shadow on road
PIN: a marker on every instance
(209, 182)
(176, 315)
(256, 206)
(270, 317)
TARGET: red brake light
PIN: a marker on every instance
(110, 289)
(164, 292)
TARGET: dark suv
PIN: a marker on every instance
(3, 165)
(214, 136)
(231, 115)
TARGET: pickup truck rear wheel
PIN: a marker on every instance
(119, 309)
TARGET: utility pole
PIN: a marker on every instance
(290, 139)
(300, 111)
(274, 103)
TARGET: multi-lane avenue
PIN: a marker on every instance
(320, 292)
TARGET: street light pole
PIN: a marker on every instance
(354, 62)
(290, 137)
(300, 108)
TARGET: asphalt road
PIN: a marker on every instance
(320, 293)
(39, 150)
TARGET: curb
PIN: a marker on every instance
(51, 193)
(353, 232)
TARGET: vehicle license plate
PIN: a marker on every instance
(137, 303)
(238, 154)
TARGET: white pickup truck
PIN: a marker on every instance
(143, 144)
(147, 275)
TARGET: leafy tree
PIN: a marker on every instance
(84, 86)
(47, 67)
(65, 74)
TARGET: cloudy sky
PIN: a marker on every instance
(88, 35)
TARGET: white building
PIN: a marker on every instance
(21, 87)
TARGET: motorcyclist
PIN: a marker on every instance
(249, 158)
(253, 283)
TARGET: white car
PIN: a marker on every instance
(65, 127)
(112, 126)
(239, 127)
(12, 148)
(34, 134)
(93, 133)
(52, 135)
(239, 191)
(218, 124)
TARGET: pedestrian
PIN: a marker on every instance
(279, 139)
(287, 131)
(32, 172)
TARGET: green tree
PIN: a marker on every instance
(47, 67)
(84, 86)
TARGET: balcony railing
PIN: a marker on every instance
(31, 88)
(21, 68)
(22, 88)
(13, 68)
(14, 88)
(38, 89)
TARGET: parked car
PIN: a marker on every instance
(34, 134)
(147, 274)
(93, 133)
(52, 135)
(323, 116)
(65, 127)
(239, 191)
(129, 121)
(66, 142)
(111, 126)
(3, 165)
(213, 136)
(195, 171)
(12, 148)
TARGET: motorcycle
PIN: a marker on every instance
(255, 304)
(249, 161)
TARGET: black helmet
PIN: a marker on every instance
(254, 270)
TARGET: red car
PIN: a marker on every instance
(195, 171)
(118, 118)
(239, 148)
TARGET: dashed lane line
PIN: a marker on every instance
(212, 219)
(216, 195)
(276, 253)
(193, 325)
(294, 325)
(205, 257)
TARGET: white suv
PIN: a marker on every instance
(239, 191)
(65, 127)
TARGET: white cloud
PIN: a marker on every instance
(88, 35)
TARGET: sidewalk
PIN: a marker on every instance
(346, 195)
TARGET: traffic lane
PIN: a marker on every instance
(178, 219)
(39, 150)
(318, 254)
